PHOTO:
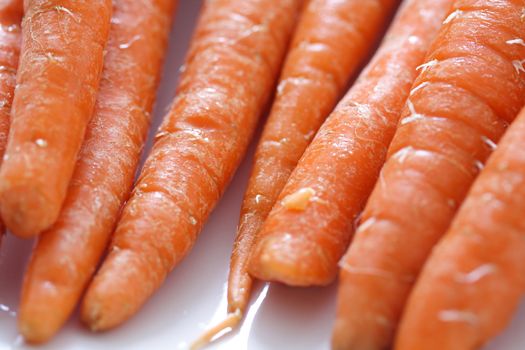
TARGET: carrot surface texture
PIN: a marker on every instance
(57, 81)
(58, 270)
(231, 68)
(470, 88)
(11, 12)
(332, 39)
(473, 281)
(310, 226)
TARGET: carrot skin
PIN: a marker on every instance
(473, 281)
(10, 37)
(60, 64)
(330, 43)
(59, 271)
(340, 167)
(231, 67)
(465, 96)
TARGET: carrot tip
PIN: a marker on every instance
(20, 208)
(26, 331)
(231, 321)
(30, 332)
(91, 316)
(288, 260)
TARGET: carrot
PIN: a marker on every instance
(467, 93)
(58, 270)
(11, 12)
(60, 65)
(231, 67)
(310, 226)
(473, 280)
(331, 40)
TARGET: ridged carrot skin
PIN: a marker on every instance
(332, 39)
(57, 81)
(473, 281)
(310, 226)
(469, 90)
(59, 269)
(232, 65)
(11, 12)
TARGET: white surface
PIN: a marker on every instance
(194, 294)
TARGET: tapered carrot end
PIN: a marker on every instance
(97, 313)
(35, 332)
(21, 209)
(239, 288)
(45, 307)
(92, 314)
(231, 321)
(117, 291)
(42, 313)
(292, 261)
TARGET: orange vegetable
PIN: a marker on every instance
(11, 12)
(301, 246)
(331, 41)
(473, 281)
(59, 271)
(467, 93)
(57, 81)
(232, 65)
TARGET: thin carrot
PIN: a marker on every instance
(231, 68)
(58, 270)
(11, 12)
(58, 77)
(331, 41)
(468, 91)
(473, 281)
(310, 226)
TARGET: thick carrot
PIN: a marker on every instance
(230, 70)
(459, 107)
(310, 226)
(57, 81)
(330, 42)
(473, 281)
(59, 271)
(11, 12)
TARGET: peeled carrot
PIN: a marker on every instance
(11, 12)
(58, 77)
(468, 91)
(231, 68)
(310, 226)
(473, 281)
(331, 40)
(58, 270)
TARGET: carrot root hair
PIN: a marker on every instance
(231, 322)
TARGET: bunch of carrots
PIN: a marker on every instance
(400, 176)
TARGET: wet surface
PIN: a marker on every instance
(194, 295)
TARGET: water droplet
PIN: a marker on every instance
(41, 143)
(413, 39)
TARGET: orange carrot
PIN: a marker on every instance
(57, 81)
(467, 93)
(58, 271)
(331, 41)
(310, 226)
(231, 68)
(11, 12)
(473, 281)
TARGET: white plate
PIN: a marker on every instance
(194, 294)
